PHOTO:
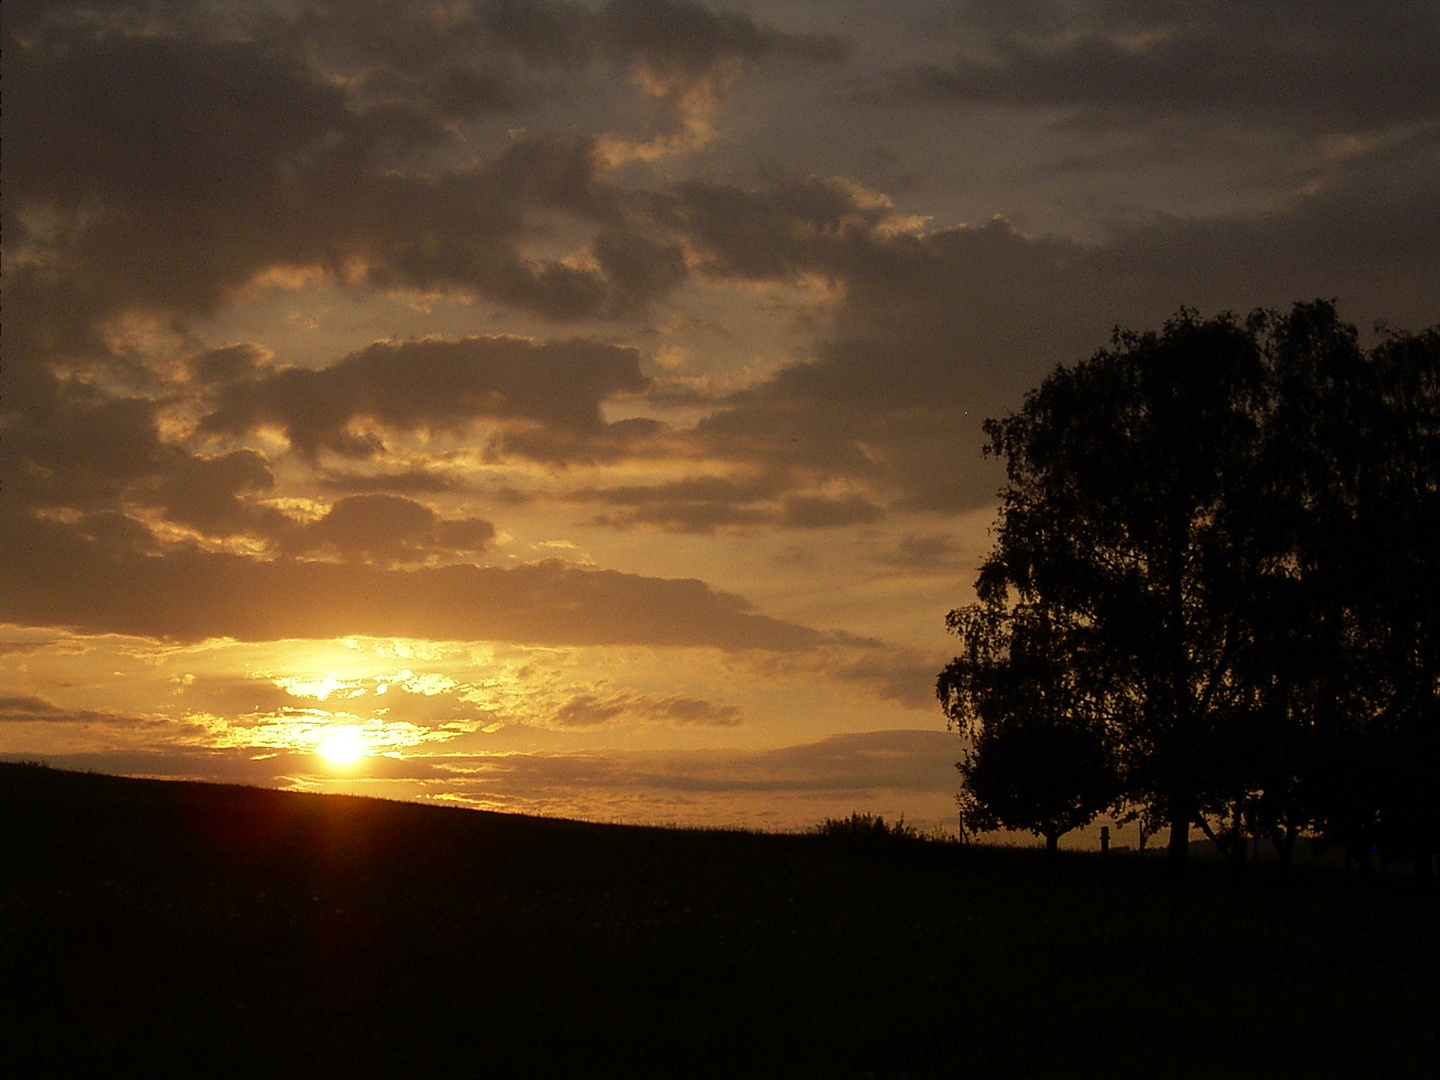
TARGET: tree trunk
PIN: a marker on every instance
(1178, 849)
(1285, 848)
(1052, 847)
(1237, 839)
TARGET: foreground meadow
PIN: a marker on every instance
(199, 930)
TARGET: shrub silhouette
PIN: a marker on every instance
(868, 831)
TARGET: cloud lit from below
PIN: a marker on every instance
(329, 326)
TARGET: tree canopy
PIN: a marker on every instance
(1213, 593)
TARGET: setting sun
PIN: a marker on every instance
(343, 747)
(613, 444)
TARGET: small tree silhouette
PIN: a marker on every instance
(1041, 759)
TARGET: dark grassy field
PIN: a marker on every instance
(199, 930)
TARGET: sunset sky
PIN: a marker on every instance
(574, 407)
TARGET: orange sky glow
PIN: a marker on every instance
(580, 413)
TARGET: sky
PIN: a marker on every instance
(575, 408)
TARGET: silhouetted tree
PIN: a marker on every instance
(1400, 595)
(1125, 519)
(1040, 759)
(1356, 458)
(1304, 732)
(1216, 574)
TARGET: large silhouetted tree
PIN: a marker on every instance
(1215, 575)
(1125, 519)
(1401, 593)
(1355, 457)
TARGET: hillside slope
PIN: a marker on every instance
(202, 930)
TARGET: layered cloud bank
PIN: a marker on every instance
(650, 338)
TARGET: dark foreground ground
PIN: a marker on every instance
(197, 930)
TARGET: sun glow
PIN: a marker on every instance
(343, 747)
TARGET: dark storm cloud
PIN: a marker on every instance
(466, 59)
(26, 708)
(25, 646)
(389, 528)
(705, 504)
(933, 332)
(241, 362)
(601, 444)
(936, 331)
(158, 161)
(691, 38)
(1331, 66)
(210, 494)
(638, 266)
(29, 707)
(927, 552)
(226, 695)
(72, 441)
(154, 172)
(692, 491)
(592, 710)
(688, 517)
(817, 512)
(905, 676)
(159, 174)
(129, 233)
(54, 575)
(788, 227)
(1367, 233)
(129, 188)
(68, 446)
(432, 386)
(906, 760)
(157, 157)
